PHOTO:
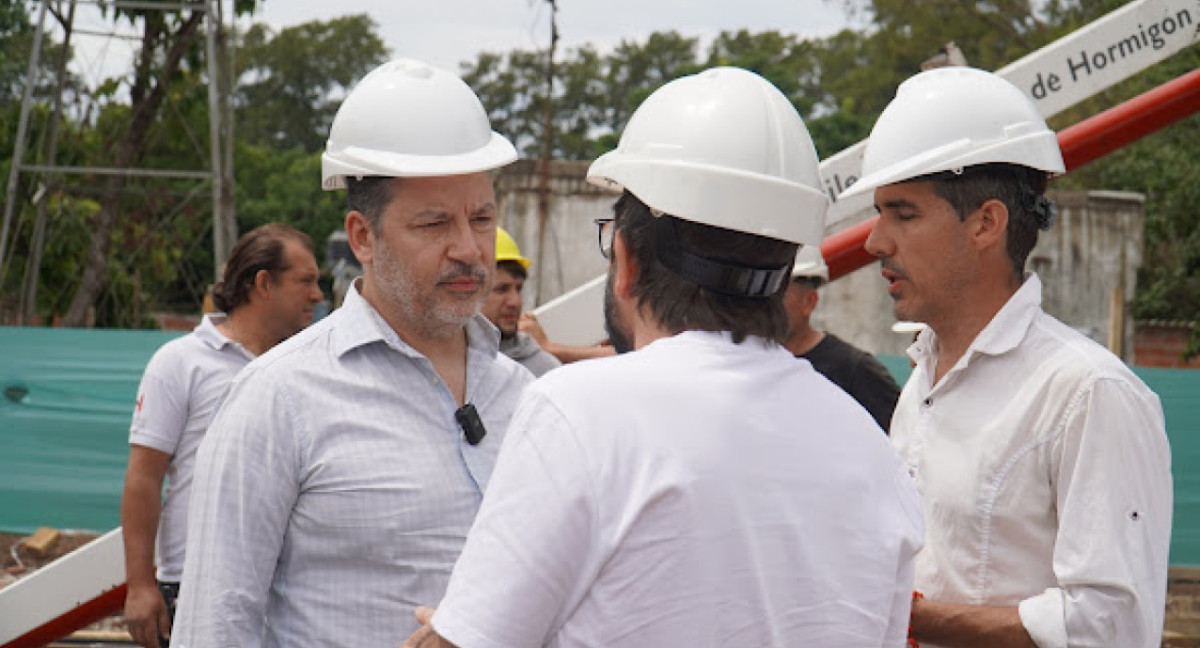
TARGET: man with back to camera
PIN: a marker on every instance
(336, 486)
(266, 294)
(1042, 460)
(857, 372)
(503, 307)
(707, 489)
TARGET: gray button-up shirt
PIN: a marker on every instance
(334, 490)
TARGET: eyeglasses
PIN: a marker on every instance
(604, 236)
(811, 282)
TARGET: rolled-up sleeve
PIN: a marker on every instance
(1113, 489)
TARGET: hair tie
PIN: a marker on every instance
(1043, 209)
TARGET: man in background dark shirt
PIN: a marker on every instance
(857, 372)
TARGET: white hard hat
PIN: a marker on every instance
(725, 148)
(407, 119)
(810, 263)
(950, 118)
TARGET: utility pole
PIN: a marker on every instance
(19, 144)
(224, 223)
(544, 162)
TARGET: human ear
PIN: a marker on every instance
(811, 299)
(262, 282)
(991, 224)
(624, 266)
(360, 236)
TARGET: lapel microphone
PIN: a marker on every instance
(472, 426)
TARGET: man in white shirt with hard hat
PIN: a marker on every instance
(849, 367)
(503, 307)
(1042, 460)
(335, 488)
(707, 489)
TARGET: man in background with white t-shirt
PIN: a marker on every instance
(267, 294)
(707, 489)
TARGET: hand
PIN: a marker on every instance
(146, 615)
(424, 637)
(528, 324)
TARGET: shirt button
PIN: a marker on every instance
(928, 402)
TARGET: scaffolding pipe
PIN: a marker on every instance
(1081, 143)
(14, 171)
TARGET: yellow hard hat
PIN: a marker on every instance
(507, 250)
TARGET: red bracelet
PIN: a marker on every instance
(912, 643)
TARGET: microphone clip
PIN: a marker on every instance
(472, 426)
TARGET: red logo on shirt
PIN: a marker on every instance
(141, 397)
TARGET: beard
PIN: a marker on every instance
(618, 332)
(427, 310)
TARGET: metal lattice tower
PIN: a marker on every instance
(219, 174)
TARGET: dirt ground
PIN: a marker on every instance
(26, 560)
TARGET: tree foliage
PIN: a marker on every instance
(292, 82)
(158, 232)
(593, 95)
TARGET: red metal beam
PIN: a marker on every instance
(1081, 143)
(844, 252)
(1126, 123)
(101, 607)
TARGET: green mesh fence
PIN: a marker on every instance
(65, 402)
(67, 396)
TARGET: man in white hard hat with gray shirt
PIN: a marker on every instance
(1042, 460)
(849, 367)
(503, 307)
(707, 489)
(336, 486)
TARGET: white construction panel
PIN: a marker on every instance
(63, 585)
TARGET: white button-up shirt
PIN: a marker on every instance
(334, 490)
(1044, 470)
(694, 493)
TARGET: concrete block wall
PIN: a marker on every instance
(571, 254)
(1161, 344)
(1087, 263)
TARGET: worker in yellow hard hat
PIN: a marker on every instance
(503, 307)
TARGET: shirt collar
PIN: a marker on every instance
(208, 332)
(714, 339)
(359, 324)
(1008, 327)
(1001, 335)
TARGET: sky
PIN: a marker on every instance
(448, 32)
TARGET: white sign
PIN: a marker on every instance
(1105, 52)
(1063, 73)
(575, 318)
